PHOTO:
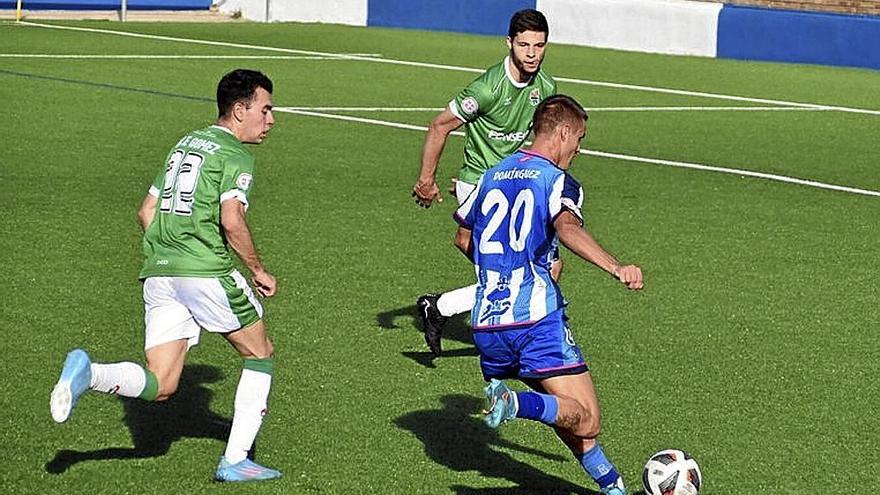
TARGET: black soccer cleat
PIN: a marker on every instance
(432, 321)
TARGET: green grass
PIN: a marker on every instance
(754, 346)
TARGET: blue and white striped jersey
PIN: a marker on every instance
(510, 215)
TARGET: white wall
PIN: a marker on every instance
(678, 27)
(329, 11)
(254, 10)
(659, 26)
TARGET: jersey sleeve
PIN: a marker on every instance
(158, 182)
(566, 195)
(238, 178)
(465, 213)
(473, 101)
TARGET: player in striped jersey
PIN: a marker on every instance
(509, 227)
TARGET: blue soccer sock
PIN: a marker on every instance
(539, 407)
(598, 466)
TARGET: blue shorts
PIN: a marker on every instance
(542, 350)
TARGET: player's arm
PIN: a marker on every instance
(147, 211)
(463, 242)
(580, 242)
(232, 218)
(426, 190)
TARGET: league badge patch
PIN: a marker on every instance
(469, 105)
(244, 181)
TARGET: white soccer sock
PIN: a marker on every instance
(457, 301)
(125, 379)
(251, 400)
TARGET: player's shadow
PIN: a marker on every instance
(154, 426)
(454, 438)
(457, 328)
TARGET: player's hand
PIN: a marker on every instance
(451, 190)
(426, 192)
(264, 283)
(630, 276)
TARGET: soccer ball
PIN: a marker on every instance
(672, 472)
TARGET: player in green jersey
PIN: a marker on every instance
(193, 213)
(496, 110)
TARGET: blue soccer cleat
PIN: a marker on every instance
(246, 470)
(502, 404)
(76, 375)
(615, 489)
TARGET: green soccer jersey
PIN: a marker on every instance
(498, 113)
(185, 239)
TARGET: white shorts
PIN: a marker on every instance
(463, 190)
(177, 308)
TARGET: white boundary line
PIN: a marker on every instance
(459, 68)
(367, 109)
(707, 109)
(734, 171)
(164, 57)
(616, 156)
(593, 109)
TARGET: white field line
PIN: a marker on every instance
(617, 156)
(166, 57)
(734, 171)
(367, 109)
(459, 68)
(708, 109)
(593, 109)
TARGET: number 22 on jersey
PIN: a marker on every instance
(181, 179)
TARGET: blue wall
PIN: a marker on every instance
(802, 37)
(468, 16)
(743, 32)
(108, 4)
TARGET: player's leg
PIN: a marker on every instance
(169, 331)
(251, 397)
(457, 301)
(227, 305)
(434, 310)
(164, 367)
(498, 360)
(563, 396)
(251, 405)
(578, 424)
(431, 321)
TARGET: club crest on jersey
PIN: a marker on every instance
(535, 97)
(498, 302)
(470, 105)
(244, 181)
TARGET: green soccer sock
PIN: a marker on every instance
(151, 387)
(125, 379)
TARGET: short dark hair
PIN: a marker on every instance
(557, 110)
(528, 20)
(238, 85)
